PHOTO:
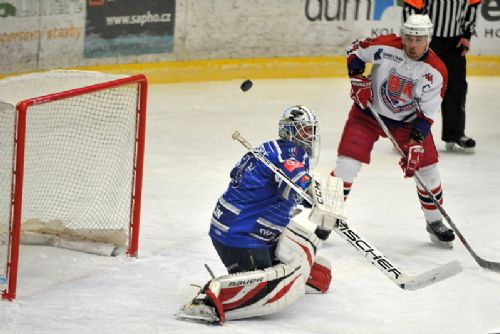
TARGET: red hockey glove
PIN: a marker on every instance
(320, 276)
(411, 163)
(361, 91)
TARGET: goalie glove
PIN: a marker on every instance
(327, 193)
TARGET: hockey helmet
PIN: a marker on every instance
(300, 125)
(418, 25)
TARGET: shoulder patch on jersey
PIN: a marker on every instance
(291, 165)
(429, 77)
(434, 61)
(305, 181)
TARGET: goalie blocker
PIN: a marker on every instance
(327, 193)
(262, 292)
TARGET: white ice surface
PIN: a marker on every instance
(189, 154)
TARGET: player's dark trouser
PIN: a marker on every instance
(453, 105)
(244, 259)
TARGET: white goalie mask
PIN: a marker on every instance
(300, 125)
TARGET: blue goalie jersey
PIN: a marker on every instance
(257, 206)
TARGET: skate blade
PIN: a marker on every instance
(443, 244)
(198, 313)
(200, 318)
(455, 148)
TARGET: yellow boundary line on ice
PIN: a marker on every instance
(261, 68)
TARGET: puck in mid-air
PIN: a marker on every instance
(246, 85)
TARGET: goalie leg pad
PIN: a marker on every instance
(259, 292)
(320, 276)
(247, 294)
(328, 197)
(212, 291)
(297, 246)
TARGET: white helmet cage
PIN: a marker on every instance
(300, 125)
(418, 25)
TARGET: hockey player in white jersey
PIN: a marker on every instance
(271, 259)
(405, 87)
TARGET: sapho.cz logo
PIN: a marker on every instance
(338, 10)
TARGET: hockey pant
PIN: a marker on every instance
(348, 168)
(262, 292)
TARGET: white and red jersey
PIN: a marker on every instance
(402, 88)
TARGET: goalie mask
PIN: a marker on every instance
(300, 125)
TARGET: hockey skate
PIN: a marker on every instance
(202, 307)
(440, 234)
(198, 309)
(463, 145)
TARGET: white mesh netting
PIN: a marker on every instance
(79, 157)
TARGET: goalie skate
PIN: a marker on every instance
(440, 234)
(198, 310)
(463, 145)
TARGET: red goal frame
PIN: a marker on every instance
(18, 169)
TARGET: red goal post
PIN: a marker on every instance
(71, 164)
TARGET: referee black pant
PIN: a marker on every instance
(453, 105)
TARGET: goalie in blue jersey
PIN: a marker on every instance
(271, 259)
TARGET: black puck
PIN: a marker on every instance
(246, 85)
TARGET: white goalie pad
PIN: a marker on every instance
(297, 246)
(256, 293)
(260, 292)
(328, 195)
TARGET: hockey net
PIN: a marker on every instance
(71, 157)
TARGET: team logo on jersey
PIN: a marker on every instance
(398, 92)
(429, 77)
(291, 165)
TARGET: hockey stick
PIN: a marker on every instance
(372, 254)
(495, 266)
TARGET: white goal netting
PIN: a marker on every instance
(78, 159)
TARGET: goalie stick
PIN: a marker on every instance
(495, 266)
(372, 254)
